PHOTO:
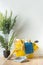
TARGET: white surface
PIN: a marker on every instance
(30, 18)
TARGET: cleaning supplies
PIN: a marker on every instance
(25, 48)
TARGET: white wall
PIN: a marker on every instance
(30, 18)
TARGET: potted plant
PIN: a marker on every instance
(6, 25)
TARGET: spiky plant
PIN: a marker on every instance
(6, 25)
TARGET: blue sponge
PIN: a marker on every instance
(28, 47)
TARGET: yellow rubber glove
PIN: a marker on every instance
(19, 47)
(35, 46)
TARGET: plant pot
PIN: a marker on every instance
(6, 53)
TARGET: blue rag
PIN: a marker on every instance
(28, 47)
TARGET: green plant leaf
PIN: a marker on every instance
(1, 20)
(6, 14)
(14, 21)
(2, 41)
(11, 41)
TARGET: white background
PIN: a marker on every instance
(30, 20)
